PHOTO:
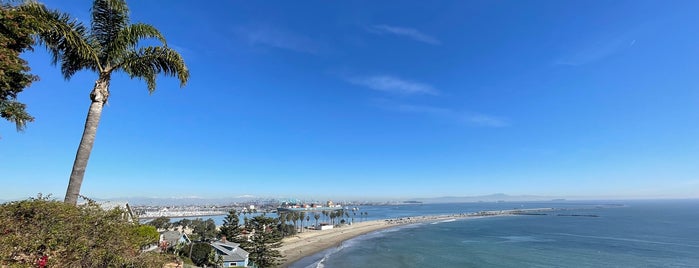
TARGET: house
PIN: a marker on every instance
(231, 253)
(170, 239)
(324, 226)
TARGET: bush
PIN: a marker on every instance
(200, 254)
(71, 236)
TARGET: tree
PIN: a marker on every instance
(16, 29)
(149, 234)
(200, 253)
(110, 45)
(316, 216)
(72, 236)
(183, 222)
(160, 222)
(264, 241)
(231, 228)
(282, 222)
(204, 229)
(294, 218)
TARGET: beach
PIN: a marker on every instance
(310, 242)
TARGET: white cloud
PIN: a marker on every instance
(393, 84)
(271, 37)
(485, 120)
(464, 118)
(408, 108)
(405, 32)
(595, 52)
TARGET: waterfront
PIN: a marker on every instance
(635, 234)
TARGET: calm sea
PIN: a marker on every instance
(625, 234)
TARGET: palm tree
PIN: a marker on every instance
(110, 45)
(316, 216)
(294, 219)
(282, 221)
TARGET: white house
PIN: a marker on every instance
(231, 253)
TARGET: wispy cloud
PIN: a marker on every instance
(404, 32)
(409, 108)
(484, 120)
(595, 52)
(277, 38)
(464, 118)
(393, 84)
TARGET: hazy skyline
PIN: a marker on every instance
(367, 100)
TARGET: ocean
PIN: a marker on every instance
(658, 233)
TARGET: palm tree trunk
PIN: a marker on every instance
(99, 96)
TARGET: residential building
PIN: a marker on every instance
(231, 253)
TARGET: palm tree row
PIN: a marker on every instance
(296, 218)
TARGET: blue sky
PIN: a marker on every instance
(382, 100)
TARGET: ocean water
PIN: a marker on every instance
(628, 234)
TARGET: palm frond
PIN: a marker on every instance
(109, 17)
(147, 62)
(64, 38)
(127, 39)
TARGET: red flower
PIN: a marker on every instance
(42, 261)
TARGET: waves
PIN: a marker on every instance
(449, 220)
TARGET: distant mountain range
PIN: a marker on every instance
(183, 201)
(200, 201)
(485, 198)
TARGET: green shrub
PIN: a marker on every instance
(72, 236)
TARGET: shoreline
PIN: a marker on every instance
(311, 242)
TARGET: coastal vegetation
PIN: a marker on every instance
(16, 29)
(21, 26)
(231, 228)
(264, 241)
(201, 254)
(160, 223)
(63, 235)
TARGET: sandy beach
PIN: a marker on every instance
(313, 241)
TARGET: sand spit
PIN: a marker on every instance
(313, 241)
